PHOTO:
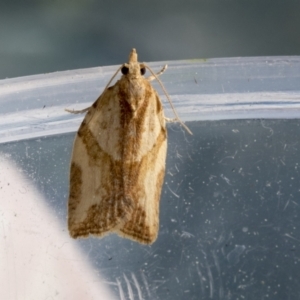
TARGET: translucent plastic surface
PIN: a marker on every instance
(230, 203)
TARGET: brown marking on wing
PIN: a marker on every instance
(131, 121)
(75, 187)
(132, 131)
(122, 190)
(140, 228)
(99, 219)
(113, 208)
(137, 228)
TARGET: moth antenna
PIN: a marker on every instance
(163, 88)
(112, 79)
(86, 109)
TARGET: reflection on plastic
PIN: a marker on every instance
(234, 256)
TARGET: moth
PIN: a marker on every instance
(118, 159)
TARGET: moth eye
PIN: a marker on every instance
(124, 70)
(143, 70)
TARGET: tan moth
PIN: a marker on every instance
(118, 159)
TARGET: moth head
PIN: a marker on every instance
(133, 68)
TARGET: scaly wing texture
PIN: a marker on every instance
(95, 203)
(144, 158)
(118, 165)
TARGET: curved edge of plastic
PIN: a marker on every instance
(212, 89)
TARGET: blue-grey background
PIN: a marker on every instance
(40, 36)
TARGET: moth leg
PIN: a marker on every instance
(171, 120)
(150, 78)
(77, 111)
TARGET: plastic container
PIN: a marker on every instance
(229, 219)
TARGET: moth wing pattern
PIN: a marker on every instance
(147, 172)
(118, 162)
(92, 178)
